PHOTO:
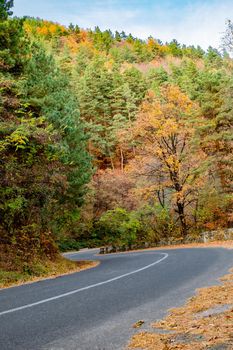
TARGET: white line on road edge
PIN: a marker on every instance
(82, 289)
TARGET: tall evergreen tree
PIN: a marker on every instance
(5, 8)
(49, 90)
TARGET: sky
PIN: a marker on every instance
(196, 22)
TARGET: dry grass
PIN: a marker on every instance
(192, 329)
(43, 271)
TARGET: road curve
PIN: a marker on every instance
(95, 309)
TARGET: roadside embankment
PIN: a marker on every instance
(48, 269)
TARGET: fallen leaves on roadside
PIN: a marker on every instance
(147, 340)
(191, 329)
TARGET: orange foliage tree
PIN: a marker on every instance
(167, 151)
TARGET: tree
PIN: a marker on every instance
(227, 39)
(213, 58)
(118, 227)
(5, 8)
(117, 36)
(13, 45)
(44, 146)
(155, 77)
(174, 48)
(112, 188)
(136, 82)
(141, 50)
(165, 130)
(202, 85)
(83, 58)
(219, 139)
(187, 77)
(48, 90)
(94, 89)
(102, 40)
(31, 178)
(108, 101)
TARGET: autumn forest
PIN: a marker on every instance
(109, 140)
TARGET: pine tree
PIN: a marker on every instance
(48, 89)
(13, 45)
(5, 8)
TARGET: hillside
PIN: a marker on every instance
(107, 139)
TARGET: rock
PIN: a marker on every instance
(102, 250)
(138, 324)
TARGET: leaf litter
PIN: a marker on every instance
(205, 322)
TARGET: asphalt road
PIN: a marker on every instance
(96, 308)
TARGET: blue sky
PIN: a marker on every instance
(190, 22)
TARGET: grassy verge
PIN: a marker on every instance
(43, 270)
(204, 322)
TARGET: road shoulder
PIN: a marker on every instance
(204, 322)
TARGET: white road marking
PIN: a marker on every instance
(82, 289)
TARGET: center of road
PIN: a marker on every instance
(27, 306)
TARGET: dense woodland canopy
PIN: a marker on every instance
(107, 139)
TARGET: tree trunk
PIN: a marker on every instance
(122, 160)
(112, 164)
(180, 210)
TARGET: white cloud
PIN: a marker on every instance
(203, 24)
(198, 23)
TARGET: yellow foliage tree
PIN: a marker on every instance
(167, 149)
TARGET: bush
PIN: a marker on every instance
(118, 227)
(156, 224)
(67, 244)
